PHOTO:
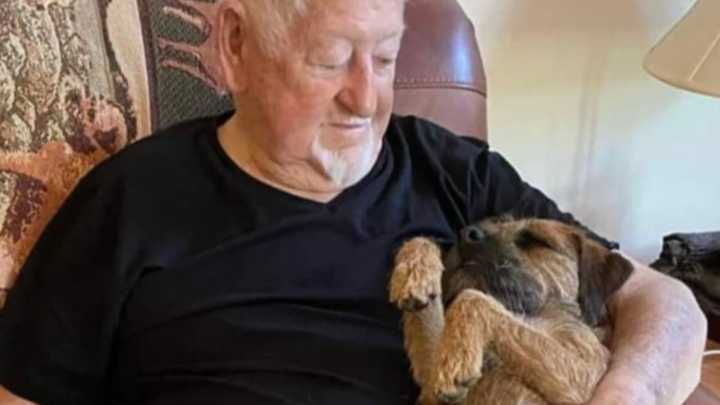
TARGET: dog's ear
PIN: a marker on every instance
(600, 273)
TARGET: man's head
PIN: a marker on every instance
(312, 81)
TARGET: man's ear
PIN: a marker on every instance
(233, 41)
(601, 272)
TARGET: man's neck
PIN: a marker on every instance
(297, 178)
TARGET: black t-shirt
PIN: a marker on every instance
(170, 276)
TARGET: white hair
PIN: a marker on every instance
(272, 20)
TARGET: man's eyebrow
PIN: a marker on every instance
(395, 33)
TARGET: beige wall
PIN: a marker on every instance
(572, 108)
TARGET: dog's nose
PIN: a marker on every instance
(472, 234)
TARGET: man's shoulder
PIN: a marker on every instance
(166, 152)
(426, 139)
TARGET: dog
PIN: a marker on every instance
(526, 316)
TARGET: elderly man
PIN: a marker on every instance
(244, 258)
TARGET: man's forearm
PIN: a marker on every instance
(658, 337)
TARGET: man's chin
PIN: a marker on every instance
(343, 174)
(347, 167)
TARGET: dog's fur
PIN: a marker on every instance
(526, 313)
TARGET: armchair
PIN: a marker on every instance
(81, 79)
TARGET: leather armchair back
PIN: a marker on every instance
(440, 72)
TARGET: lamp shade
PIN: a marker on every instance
(689, 55)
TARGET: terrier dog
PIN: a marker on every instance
(526, 313)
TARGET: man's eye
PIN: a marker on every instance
(333, 66)
(385, 62)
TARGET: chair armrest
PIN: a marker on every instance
(702, 396)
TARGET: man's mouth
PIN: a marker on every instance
(350, 126)
(345, 135)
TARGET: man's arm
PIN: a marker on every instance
(8, 398)
(659, 330)
(659, 335)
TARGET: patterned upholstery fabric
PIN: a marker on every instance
(78, 83)
(81, 79)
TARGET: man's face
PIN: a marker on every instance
(326, 100)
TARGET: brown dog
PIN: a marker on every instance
(526, 313)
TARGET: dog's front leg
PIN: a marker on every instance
(558, 373)
(557, 365)
(416, 289)
(422, 330)
(460, 355)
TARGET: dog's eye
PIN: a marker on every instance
(526, 240)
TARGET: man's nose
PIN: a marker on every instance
(472, 234)
(359, 95)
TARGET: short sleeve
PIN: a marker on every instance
(57, 327)
(501, 191)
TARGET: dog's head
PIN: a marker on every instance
(526, 264)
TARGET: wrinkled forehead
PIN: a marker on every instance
(357, 20)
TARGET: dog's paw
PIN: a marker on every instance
(427, 399)
(461, 350)
(416, 278)
(412, 289)
(458, 369)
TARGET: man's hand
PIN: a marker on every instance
(659, 335)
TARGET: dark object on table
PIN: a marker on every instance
(694, 258)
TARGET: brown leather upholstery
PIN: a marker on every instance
(440, 73)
